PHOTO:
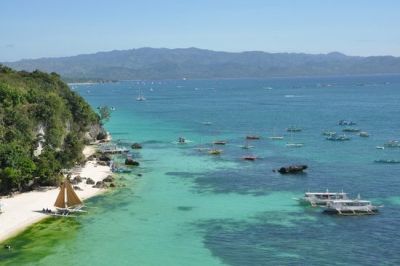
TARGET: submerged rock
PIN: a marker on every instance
(136, 146)
(130, 161)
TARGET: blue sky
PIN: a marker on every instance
(48, 28)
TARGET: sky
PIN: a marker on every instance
(55, 28)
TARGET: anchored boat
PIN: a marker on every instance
(351, 207)
(252, 137)
(292, 169)
(351, 129)
(338, 137)
(346, 123)
(249, 158)
(215, 152)
(322, 198)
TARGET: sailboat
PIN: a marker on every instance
(67, 201)
(275, 137)
(140, 96)
(292, 144)
(246, 145)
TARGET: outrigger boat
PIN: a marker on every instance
(293, 129)
(328, 133)
(276, 137)
(351, 129)
(392, 144)
(294, 145)
(292, 169)
(67, 201)
(350, 207)
(338, 137)
(388, 161)
(215, 152)
(249, 158)
(346, 123)
(252, 137)
(363, 134)
(322, 198)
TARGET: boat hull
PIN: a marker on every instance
(350, 212)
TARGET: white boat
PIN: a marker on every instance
(275, 137)
(392, 144)
(387, 161)
(322, 198)
(363, 134)
(351, 130)
(328, 133)
(350, 207)
(246, 146)
(346, 123)
(380, 147)
(140, 96)
(336, 137)
(294, 145)
(293, 129)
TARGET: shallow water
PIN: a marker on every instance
(190, 208)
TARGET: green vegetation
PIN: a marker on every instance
(105, 113)
(38, 108)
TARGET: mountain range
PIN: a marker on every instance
(194, 63)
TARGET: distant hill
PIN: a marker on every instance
(193, 63)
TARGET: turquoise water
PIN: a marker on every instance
(190, 208)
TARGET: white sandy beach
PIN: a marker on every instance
(21, 210)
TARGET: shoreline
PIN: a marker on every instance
(24, 209)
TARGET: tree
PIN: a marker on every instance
(105, 113)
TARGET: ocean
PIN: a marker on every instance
(182, 206)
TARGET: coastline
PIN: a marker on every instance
(24, 209)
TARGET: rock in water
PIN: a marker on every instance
(130, 161)
(136, 146)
